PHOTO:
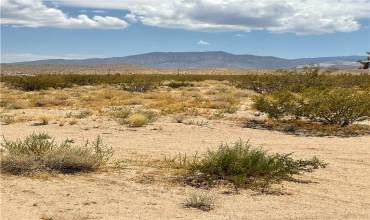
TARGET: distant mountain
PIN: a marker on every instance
(209, 60)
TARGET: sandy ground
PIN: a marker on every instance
(340, 191)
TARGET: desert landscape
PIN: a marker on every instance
(151, 127)
(185, 109)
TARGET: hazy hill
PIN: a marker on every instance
(209, 59)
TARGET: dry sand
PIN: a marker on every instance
(340, 191)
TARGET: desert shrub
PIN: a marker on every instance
(133, 118)
(14, 104)
(202, 201)
(42, 120)
(330, 106)
(40, 82)
(39, 152)
(263, 83)
(308, 128)
(337, 106)
(7, 119)
(136, 120)
(178, 84)
(143, 86)
(278, 105)
(83, 114)
(243, 165)
(120, 113)
(299, 81)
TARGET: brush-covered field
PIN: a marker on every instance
(274, 145)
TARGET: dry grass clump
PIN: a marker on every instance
(14, 104)
(83, 114)
(202, 201)
(133, 101)
(47, 100)
(243, 165)
(73, 122)
(7, 119)
(39, 152)
(137, 120)
(42, 120)
(133, 118)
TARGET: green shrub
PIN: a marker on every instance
(39, 152)
(278, 105)
(336, 106)
(308, 128)
(175, 84)
(245, 166)
(295, 81)
(340, 106)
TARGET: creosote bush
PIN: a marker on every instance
(330, 106)
(294, 80)
(245, 166)
(39, 152)
(336, 106)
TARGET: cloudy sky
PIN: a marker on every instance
(36, 29)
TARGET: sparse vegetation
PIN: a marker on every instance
(175, 84)
(202, 201)
(40, 153)
(136, 120)
(262, 83)
(308, 128)
(245, 166)
(7, 119)
(133, 118)
(331, 106)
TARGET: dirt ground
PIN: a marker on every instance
(340, 191)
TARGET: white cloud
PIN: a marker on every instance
(202, 42)
(34, 13)
(295, 16)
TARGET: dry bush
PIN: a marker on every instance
(43, 120)
(7, 119)
(39, 153)
(137, 120)
(83, 114)
(73, 122)
(202, 201)
(47, 100)
(15, 103)
(133, 101)
(133, 118)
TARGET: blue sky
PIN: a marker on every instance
(121, 29)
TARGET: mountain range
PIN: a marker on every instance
(212, 59)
